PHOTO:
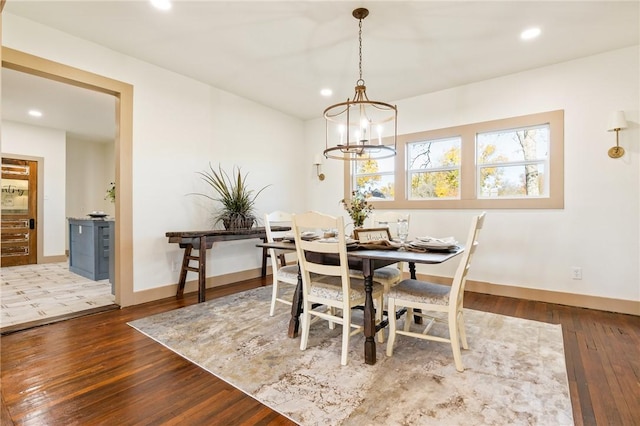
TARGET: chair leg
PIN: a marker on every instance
(274, 296)
(455, 344)
(332, 311)
(346, 334)
(461, 330)
(379, 309)
(306, 323)
(391, 309)
(407, 319)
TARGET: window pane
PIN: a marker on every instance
(434, 168)
(15, 196)
(375, 177)
(442, 184)
(434, 154)
(505, 146)
(527, 180)
(379, 186)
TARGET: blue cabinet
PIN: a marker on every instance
(91, 248)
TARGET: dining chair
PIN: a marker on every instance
(332, 293)
(391, 275)
(446, 301)
(283, 271)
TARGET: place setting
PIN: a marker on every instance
(428, 243)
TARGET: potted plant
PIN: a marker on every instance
(358, 207)
(111, 192)
(238, 201)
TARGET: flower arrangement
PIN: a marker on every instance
(111, 192)
(358, 207)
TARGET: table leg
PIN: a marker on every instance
(296, 308)
(184, 270)
(202, 269)
(369, 314)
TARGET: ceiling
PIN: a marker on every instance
(281, 54)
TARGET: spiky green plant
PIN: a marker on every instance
(238, 201)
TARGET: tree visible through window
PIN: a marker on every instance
(434, 168)
(513, 163)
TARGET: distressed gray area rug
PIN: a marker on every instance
(514, 370)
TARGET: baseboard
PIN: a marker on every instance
(622, 306)
(54, 259)
(631, 307)
(158, 293)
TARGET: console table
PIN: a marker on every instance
(203, 240)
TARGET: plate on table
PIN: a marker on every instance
(307, 236)
(435, 243)
(435, 249)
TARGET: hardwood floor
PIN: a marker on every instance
(98, 370)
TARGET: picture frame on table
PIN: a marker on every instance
(365, 235)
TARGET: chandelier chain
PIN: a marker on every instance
(360, 49)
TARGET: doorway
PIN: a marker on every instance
(123, 92)
(19, 240)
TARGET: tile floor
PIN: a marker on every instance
(38, 292)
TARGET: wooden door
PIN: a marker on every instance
(19, 212)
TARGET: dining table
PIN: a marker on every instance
(367, 260)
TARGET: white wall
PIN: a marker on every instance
(180, 125)
(599, 228)
(49, 144)
(90, 169)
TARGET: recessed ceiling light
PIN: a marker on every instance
(530, 33)
(35, 113)
(326, 92)
(161, 4)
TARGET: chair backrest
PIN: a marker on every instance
(277, 218)
(308, 251)
(460, 278)
(390, 220)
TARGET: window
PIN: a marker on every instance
(375, 177)
(510, 163)
(433, 169)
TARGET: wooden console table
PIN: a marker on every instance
(203, 240)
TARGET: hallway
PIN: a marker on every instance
(40, 294)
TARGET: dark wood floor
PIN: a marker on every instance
(98, 370)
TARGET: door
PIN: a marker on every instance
(19, 208)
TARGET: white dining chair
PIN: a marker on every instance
(332, 293)
(437, 303)
(391, 275)
(284, 265)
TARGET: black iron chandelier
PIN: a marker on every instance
(361, 129)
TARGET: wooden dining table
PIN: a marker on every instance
(367, 261)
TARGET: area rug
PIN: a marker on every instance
(514, 370)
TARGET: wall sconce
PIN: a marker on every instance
(617, 121)
(317, 161)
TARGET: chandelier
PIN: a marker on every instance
(358, 128)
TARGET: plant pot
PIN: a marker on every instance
(238, 222)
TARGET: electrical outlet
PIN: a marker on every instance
(576, 273)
